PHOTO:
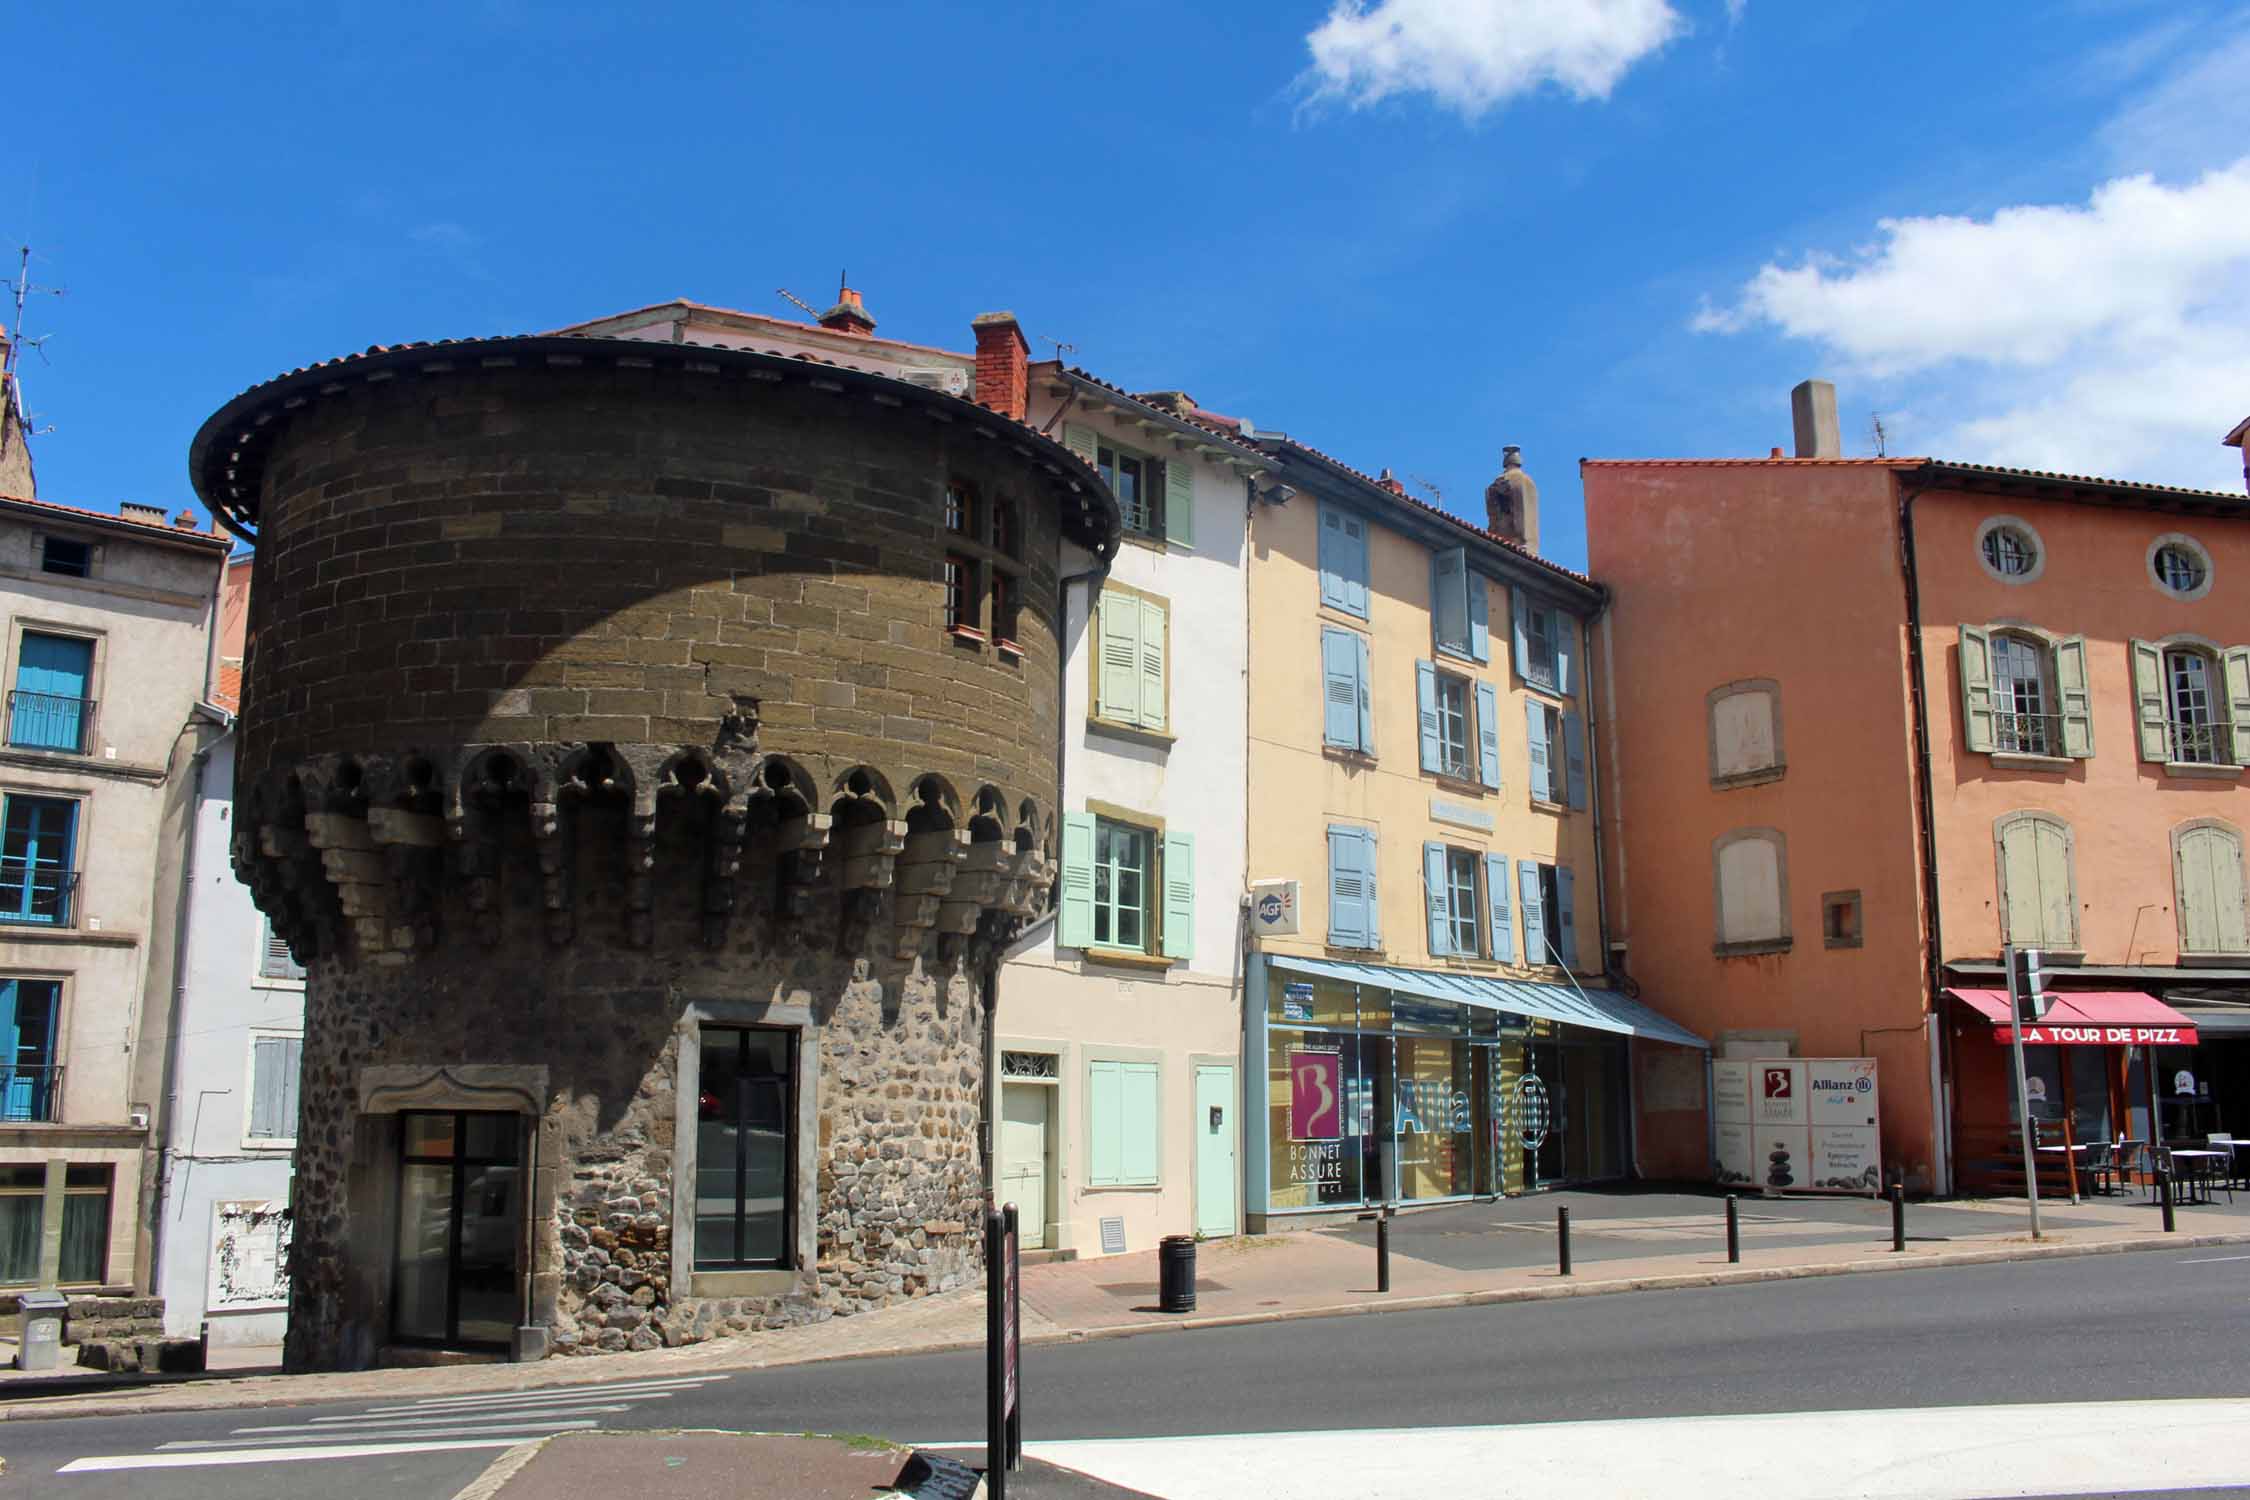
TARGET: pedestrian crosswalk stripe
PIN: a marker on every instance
(437, 1418)
(116, 1461)
(542, 1421)
(555, 1393)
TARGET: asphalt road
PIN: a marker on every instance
(2099, 1328)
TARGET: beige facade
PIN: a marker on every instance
(108, 621)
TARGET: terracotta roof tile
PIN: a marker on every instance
(1740, 463)
(114, 519)
(227, 691)
(1200, 421)
(2000, 471)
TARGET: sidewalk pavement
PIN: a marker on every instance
(1458, 1255)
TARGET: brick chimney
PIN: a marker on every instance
(1003, 378)
(1389, 481)
(849, 315)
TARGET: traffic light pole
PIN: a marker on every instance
(2022, 1001)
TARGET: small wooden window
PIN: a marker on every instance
(1840, 919)
(960, 510)
(962, 597)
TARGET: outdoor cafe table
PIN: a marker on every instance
(2198, 1185)
(2076, 1157)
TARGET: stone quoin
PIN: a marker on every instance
(648, 766)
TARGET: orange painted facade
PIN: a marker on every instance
(1802, 577)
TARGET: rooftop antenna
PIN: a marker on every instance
(23, 287)
(810, 311)
(1437, 496)
(1881, 435)
(1061, 348)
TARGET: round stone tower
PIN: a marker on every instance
(645, 747)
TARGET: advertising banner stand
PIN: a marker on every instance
(1798, 1125)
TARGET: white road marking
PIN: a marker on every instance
(539, 1422)
(1930, 1453)
(2213, 1260)
(112, 1462)
(427, 1418)
(557, 1393)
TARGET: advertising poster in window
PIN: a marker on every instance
(1798, 1125)
(1730, 1113)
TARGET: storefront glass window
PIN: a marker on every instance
(1434, 1117)
(1315, 1129)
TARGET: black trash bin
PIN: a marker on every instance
(1175, 1266)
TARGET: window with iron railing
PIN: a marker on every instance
(1453, 728)
(49, 708)
(30, 1079)
(2195, 731)
(38, 885)
(2200, 742)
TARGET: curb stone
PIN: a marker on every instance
(926, 1476)
(55, 1407)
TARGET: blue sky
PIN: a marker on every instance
(1406, 232)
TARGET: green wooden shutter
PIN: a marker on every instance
(1179, 895)
(1542, 768)
(1140, 1104)
(1480, 625)
(1367, 701)
(1534, 914)
(1488, 735)
(1425, 701)
(1976, 688)
(2058, 912)
(1502, 933)
(2148, 698)
(2077, 697)
(1081, 441)
(1153, 643)
(1105, 1123)
(1340, 652)
(2235, 667)
(1179, 501)
(1574, 759)
(1117, 678)
(1449, 600)
(2213, 918)
(1074, 925)
(1435, 897)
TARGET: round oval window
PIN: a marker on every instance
(2009, 551)
(2179, 568)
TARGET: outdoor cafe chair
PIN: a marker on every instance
(2101, 1166)
(2237, 1171)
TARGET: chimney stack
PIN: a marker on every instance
(1511, 502)
(1812, 408)
(1389, 481)
(1003, 371)
(849, 315)
(139, 514)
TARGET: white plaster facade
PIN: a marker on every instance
(85, 796)
(222, 1209)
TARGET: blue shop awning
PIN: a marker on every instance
(1597, 1010)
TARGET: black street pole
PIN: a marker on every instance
(1734, 1232)
(1383, 1250)
(995, 1357)
(1898, 1217)
(1015, 1345)
(1562, 1238)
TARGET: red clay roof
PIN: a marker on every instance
(227, 691)
(114, 519)
(1737, 463)
(736, 312)
(1231, 439)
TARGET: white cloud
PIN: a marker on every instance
(1474, 54)
(2197, 117)
(2103, 337)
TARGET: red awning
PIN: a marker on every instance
(2088, 1018)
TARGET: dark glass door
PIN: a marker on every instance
(460, 1219)
(745, 1133)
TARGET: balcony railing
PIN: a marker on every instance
(2027, 734)
(50, 721)
(2191, 744)
(36, 895)
(30, 1092)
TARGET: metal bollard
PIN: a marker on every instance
(1734, 1232)
(1383, 1253)
(2164, 1195)
(1898, 1217)
(1562, 1238)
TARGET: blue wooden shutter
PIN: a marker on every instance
(1566, 920)
(1349, 888)
(1105, 1123)
(1574, 758)
(1340, 651)
(17, 1090)
(1542, 772)
(1331, 557)
(1366, 698)
(1434, 896)
(1367, 854)
(1355, 564)
(1139, 1104)
(1523, 633)
(1425, 700)
(1343, 561)
(1534, 914)
(1563, 630)
(1179, 501)
(1480, 627)
(1488, 735)
(1503, 933)
(1074, 927)
(1179, 895)
(273, 1087)
(53, 674)
(1449, 600)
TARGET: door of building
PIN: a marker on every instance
(455, 1281)
(1024, 1110)
(1214, 1149)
